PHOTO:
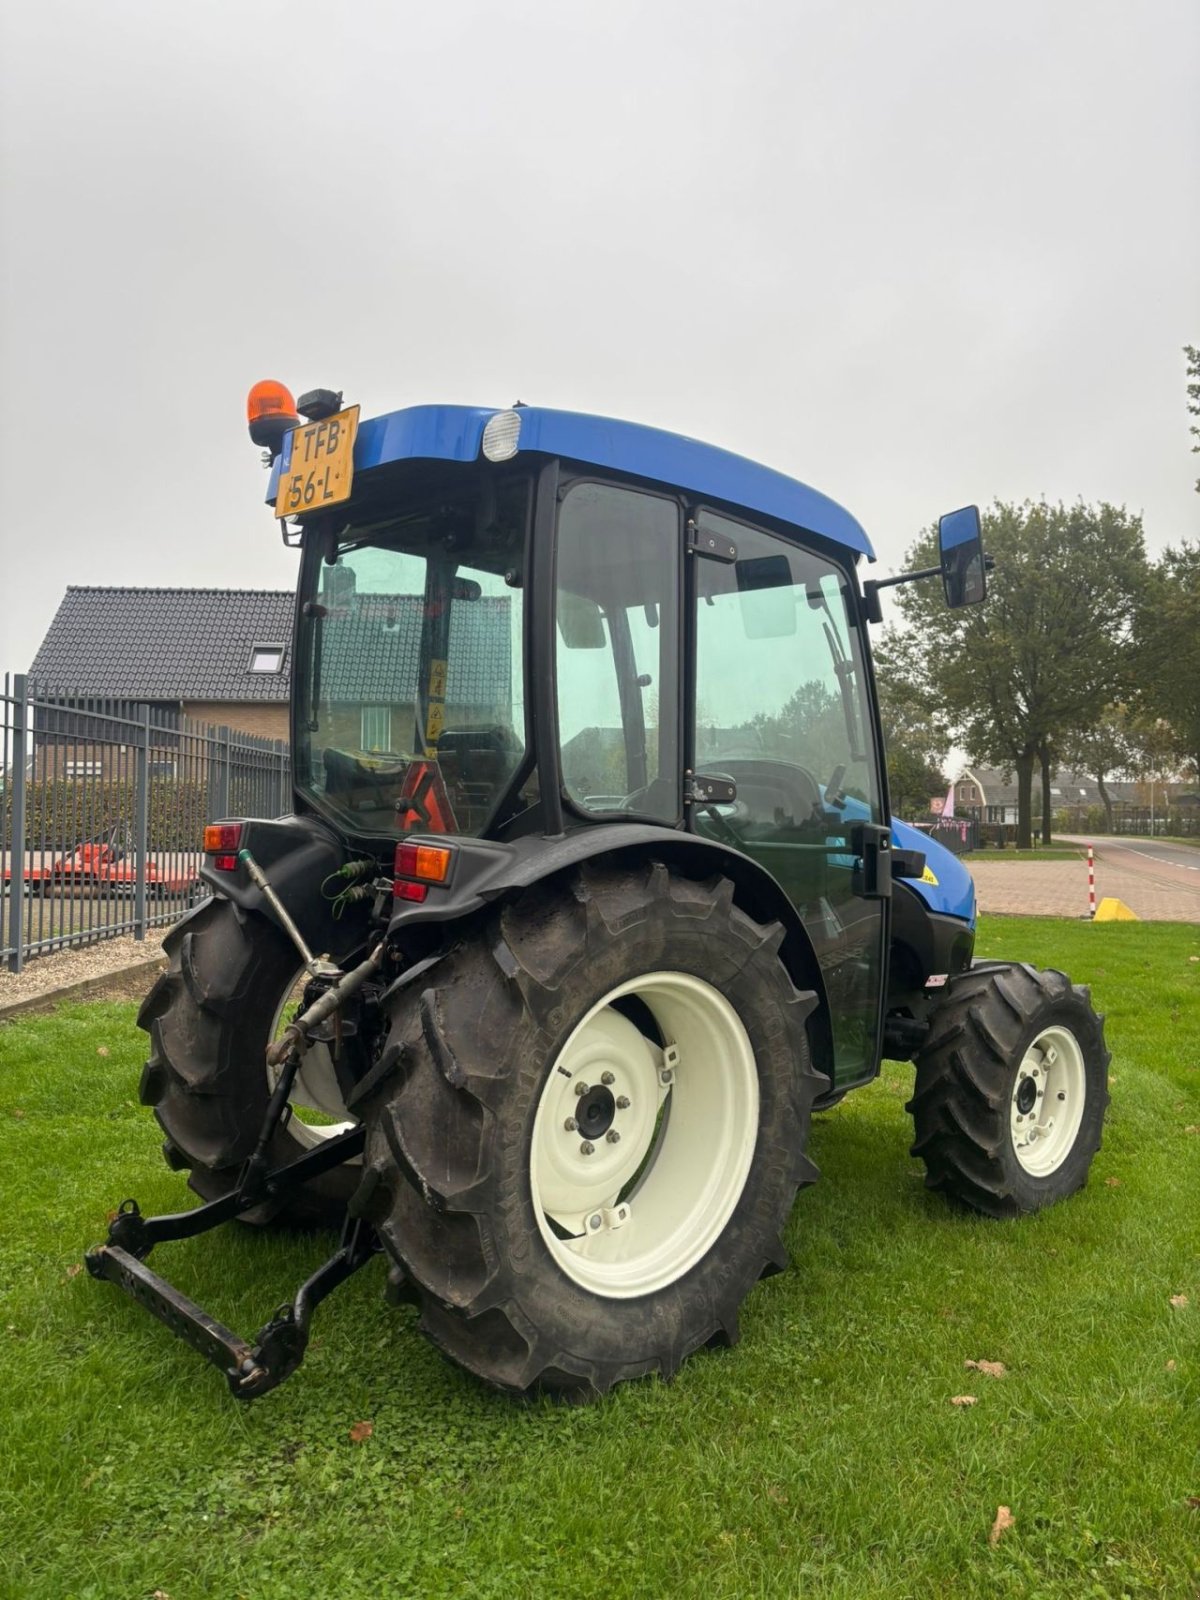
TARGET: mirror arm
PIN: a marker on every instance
(873, 585)
(905, 577)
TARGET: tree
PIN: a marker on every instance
(917, 743)
(1193, 394)
(1168, 656)
(810, 730)
(1156, 756)
(1102, 749)
(1045, 653)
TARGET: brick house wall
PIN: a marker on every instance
(263, 720)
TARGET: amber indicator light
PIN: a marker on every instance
(222, 836)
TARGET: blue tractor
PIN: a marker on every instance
(589, 897)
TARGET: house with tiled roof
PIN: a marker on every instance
(990, 796)
(213, 656)
(222, 657)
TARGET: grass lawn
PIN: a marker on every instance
(821, 1457)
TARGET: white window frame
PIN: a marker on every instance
(268, 649)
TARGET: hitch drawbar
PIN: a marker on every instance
(279, 1347)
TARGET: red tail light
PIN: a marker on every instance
(419, 865)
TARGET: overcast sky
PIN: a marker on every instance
(916, 254)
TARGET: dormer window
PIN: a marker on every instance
(267, 657)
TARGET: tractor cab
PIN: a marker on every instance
(589, 897)
(532, 625)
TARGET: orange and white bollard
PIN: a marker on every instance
(1091, 884)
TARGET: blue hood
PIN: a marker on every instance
(953, 893)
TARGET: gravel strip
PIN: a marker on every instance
(45, 975)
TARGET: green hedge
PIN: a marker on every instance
(61, 812)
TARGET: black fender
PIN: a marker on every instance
(924, 943)
(297, 854)
(485, 871)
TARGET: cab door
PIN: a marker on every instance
(782, 708)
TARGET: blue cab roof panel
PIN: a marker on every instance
(455, 433)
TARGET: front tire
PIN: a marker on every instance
(544, 1253)
(1011, 1090)
(210, 1016)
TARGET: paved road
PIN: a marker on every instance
(1155, 857)
(1157, 881)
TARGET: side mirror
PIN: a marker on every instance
(960, 544)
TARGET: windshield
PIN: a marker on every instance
(411, 701)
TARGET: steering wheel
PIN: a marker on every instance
(722, 825)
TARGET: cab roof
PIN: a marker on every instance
(455, 433)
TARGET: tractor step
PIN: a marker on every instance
(251, 1369)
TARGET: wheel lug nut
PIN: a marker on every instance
(581, 1088)
(570, 1125)
(613, 1136)
(586, 1148)
(607, 1077)
(622, 1102)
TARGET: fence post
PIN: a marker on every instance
(281, 794)
(141, 823)
(221, 796)
(16, 882)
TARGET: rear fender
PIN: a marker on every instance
(485, 872)
(297, 854)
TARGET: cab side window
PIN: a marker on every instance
(619, 553)
(781, 698)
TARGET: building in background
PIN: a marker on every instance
(213, 656)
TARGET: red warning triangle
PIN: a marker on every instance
(424, 803)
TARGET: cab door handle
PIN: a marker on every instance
(872, 847)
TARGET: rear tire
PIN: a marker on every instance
(477, 1173)
(210, 1017)
(1011, 1089)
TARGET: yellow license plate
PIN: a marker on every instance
(317, 466)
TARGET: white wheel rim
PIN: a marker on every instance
(638, 1212)
(316, 1086)
(1047, 1101)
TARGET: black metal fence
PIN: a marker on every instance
(102, 806)
(959, 834)
(1181, 823)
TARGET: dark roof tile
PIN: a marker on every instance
(166, 644)
(195, 644)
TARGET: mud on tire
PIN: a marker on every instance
(209, 1018)
(476, 1173)
(1011, 1089)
